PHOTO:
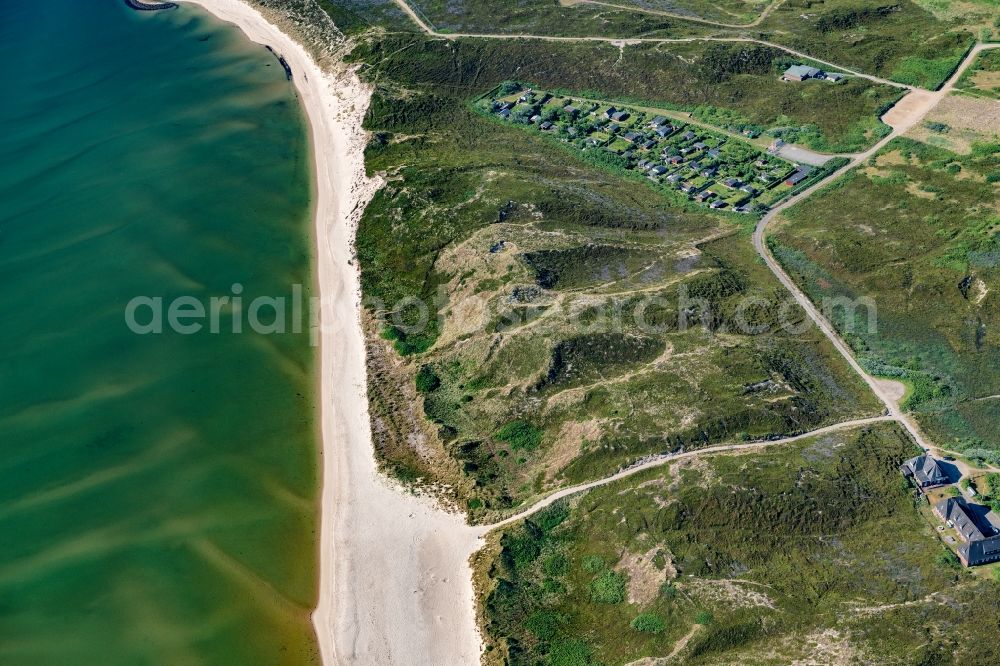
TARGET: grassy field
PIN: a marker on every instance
(916, 230)
(814, 552)
(899, 40)
(553, 350)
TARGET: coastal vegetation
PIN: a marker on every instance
(916, 229)
(524, 305)
(812, 550)
(901, 40)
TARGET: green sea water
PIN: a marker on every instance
(158, 493)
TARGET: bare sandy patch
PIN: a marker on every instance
(979, 291)
(968, 120)
(914, 189)
(891, 388)
(729, 593)
(828, 647)
(567, 444)
(644, 579)
(986, 80)
(909, 110)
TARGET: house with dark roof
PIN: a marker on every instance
(610, 112)
(800, 174)
(980, 545)
(546, 125)
(955, 512)
(620, 116)
(631, 136)
(689, 135)
(980, 552)
(800, 73)
(664, 131)
(657, 121)
(658, 170)
(925, 471)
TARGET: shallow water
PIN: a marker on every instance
(157, 492)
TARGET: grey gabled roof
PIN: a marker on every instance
(926, 470)
(957, 513)
(801, 70)
(982, 551)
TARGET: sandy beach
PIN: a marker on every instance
(395, 583)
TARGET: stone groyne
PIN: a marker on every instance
(140, 6)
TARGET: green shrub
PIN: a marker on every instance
(427, 380)
(592, 563)
(555, 565)
(648, 623)
(608, 588)
(520, 435)
(948, 559)
(704, 617)
(551, 517)
(569, 653)
(544, 624)
(668, 590)
(520, 550)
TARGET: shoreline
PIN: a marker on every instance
(395, 580)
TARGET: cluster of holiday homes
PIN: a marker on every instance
(668, 152)
(979, 540)
(804, 72)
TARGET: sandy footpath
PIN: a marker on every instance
(395, 583)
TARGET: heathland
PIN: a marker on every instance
(904, 41)
(523, 378)
(915, 229)
(807, 553)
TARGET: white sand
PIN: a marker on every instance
(395, 583)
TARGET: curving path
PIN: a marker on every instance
(686, 17)
(672, 457)
(914, 115)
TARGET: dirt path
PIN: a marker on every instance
(920, 106)
(660, 12)
(620, 42)
(664, 459)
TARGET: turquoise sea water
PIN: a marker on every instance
(158, 493)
